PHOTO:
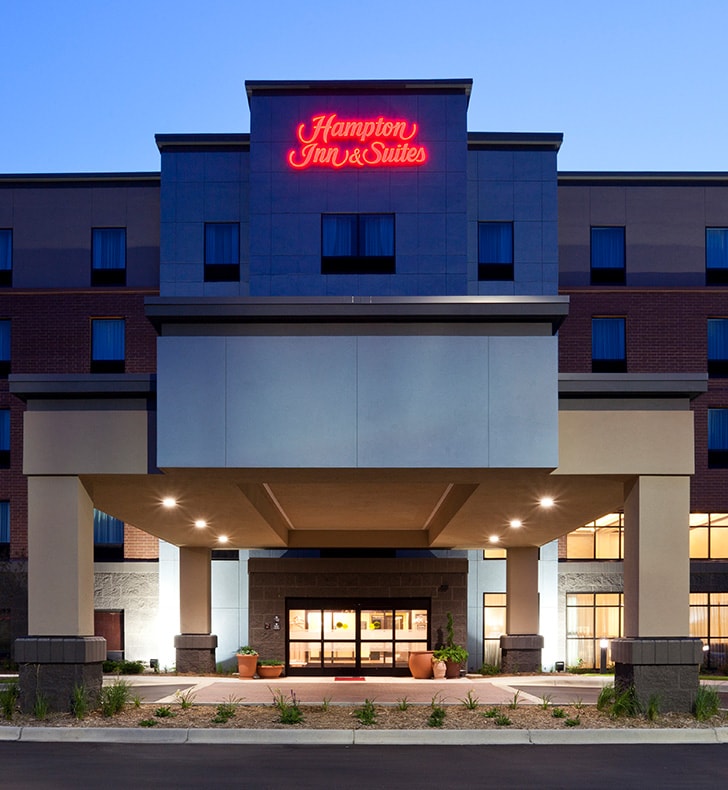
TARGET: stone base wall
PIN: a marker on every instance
(13, 596)
(521, 653)
(195, 653)
(444, 581)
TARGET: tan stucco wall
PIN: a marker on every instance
(195, 590)
(626, 443)
(85, 442)
(522, 591)
(60, 558)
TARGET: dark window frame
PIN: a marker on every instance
(227, 271)
(496, 271)
(6, 275)
(607, 275)
(106, 275)
(116, 365)
(715, 275)
(610, 364)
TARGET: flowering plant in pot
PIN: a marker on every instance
(270, 668)
(453, 655)
(247, 661)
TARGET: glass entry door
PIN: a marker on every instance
(355, 637)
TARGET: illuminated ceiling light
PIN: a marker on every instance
(516, 523)
(222, 539)
(494, 539)
(200, 523)
(169, 501)
(546, 501)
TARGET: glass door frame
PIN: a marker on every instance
(357, 605)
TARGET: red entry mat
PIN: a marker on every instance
(349, 678)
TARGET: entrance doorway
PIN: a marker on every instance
(348, 637)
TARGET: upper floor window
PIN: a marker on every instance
(718, 438)
(108, 537)
(608, 345)
(716, 256)
(107, 345)
(607, 256)
(718, 346)
(108, 256)
(5, 522)
(222, 252)
(598, 540)
(495, 250)
(357, 244)
(4, 346)
(6, 256)
(4, 438)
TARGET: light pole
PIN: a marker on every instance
(603, 645)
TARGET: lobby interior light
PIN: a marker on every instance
(169, 502)
(516, 523)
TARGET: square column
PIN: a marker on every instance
(521, 647)
(195, 646)
(657, 656)
(61, 650)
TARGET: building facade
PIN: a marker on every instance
(316, 387)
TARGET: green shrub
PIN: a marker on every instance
(40, 706)
(653, 707)
(164, 712)
(403, 703)
(707, 703)
(626, 703)
(491, 713)
(224, 712)
(470, 701)
(148, 723)
(558, 713)
(502, 720)
(606, 698)
(80, 702)
(367, 714)
(490, 669)
(9, 699)
(113, 698)
(437, 717)
(575, 722)
(186, 698)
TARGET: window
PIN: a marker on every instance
(608, 345)
(607, 256)
(108, 537)
(4, 346)
(716, 256)
(107, 345)
(6, 256)
(591, 617)
(4, 438)
(718, 347)
(357, 244)
(4, 530)
(709, 622)
(495, 250)
(108, 256)
(709, 536)
(494, 626)
(494, 554)
(222, 252)
(718, 438)
(602, 539)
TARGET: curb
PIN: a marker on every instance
(434, 737)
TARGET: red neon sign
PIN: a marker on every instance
(371, 142)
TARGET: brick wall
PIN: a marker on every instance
(139, 545)
(666, 332)
(50, 333)
(444, 581)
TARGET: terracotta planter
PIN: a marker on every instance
(452, 669)
(246, 666)
(268, 672)
(420, 663)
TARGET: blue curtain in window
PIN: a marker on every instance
(6, 250)
(376, 234)
(495, 242)
(607, 338)
(108, 339)
(4, 522)
(5, 340)
(716, 248)
(717, 338)
(5, 429)
(109, 248)
(607, 248)
(339, 233)
(221, 243)
(107, 529)
(717, 429)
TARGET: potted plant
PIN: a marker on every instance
(247, 661)
(453, 655)
(439, 667)
(270, 668)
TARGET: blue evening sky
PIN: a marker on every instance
(632, 84)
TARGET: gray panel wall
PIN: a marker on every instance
(344, 401)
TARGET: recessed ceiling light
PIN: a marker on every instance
(516, 523)
(222, 539)
(200, 523)
(546, 501)
(169, 501)
(494, 539)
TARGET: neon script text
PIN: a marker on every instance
(377, 142)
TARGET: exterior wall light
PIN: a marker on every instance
(516, 523)
(493, 539)
(546, 501)
(200, 523)
(169, 501)
(222, 539)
